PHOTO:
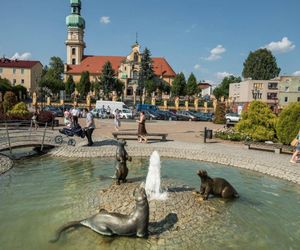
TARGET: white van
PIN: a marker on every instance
(111, 105)
(126, 114)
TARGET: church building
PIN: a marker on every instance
(126, 67)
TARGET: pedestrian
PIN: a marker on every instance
(117, 119)
(34, 120)
(75, 115)
(296, 144)
(90, 126)
(67, 118)
(142, 133)
(108, 110)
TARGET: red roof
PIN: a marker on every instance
(94, 64)
(7, 63)
(204, 85)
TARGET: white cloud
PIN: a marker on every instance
(105, 19)
(222, 75)
(215, 53)
(190, 29)
(197, 67)
(297, 73)
(24, 56)
(283, 46)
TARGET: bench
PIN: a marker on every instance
(272, 147)
(125, 134)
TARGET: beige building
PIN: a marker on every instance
(126, 67)
(20, 72)
(249, 90)
(289, 90)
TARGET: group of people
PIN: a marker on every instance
(71, 121)
(297, 149)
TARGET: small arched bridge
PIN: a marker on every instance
(22, 133)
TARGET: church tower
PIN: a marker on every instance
(76, 25)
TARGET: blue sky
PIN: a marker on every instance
(211, 38)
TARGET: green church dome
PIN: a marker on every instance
(75, 21)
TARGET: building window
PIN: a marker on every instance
(135, 57)
(298, 99)
(14, 71)
(272, 85)
(22, 71)
(286, 99)
(298, 87)
(272, 96)
(14, 82)
(73, 61)
(135, 75)
(73, 51)
(286, 88)
(1, 70)
(22, 81)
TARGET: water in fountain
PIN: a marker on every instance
(152, 185)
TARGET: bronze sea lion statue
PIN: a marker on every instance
(215, 186)
(121, 165)
(105, 223)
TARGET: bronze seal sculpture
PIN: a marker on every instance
(105, 223)
(121, 165)
(215, 186)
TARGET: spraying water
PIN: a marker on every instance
(152, 185)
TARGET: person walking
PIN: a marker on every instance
(75, 115)
(117, 119)
(90, 126)
(142, 133)
(34, 120)
(297, 149)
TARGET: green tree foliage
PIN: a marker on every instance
(192, 86)
(20, 90)
(52, 76)
(20, 109)
(96, 86)
(119, 87)
(10, 100)
(223, 88)
(261, 65)
(5, 85)
(288, 123)
(258, 122)
(150, 86)
(163, 86)
(146, 71)
(84, 85)
(107, 79)
(179, 85)
(220, 113)
(70, 85)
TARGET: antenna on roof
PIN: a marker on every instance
(136, 38)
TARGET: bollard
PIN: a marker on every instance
(207, 134)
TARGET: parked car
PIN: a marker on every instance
(186, 116)
(232, 117)
(153, 115)
(54, 110)
(98, 113)
(167, 115)
(126, 114)
(203, 116)
(65, 107)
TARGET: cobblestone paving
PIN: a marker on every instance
(269, 163)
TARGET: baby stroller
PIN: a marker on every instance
(69, 132)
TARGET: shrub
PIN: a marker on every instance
(258, 122)
(45, 116)
(288, 123)
(230, 134)
(10, 100)
(220, 113)
(20, 109)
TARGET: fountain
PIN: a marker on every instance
(152, 185)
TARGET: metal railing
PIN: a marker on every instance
(18, 133)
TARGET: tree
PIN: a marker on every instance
(10, 100)
(70, 85)
(84, 85)
(96, 87)
(20, 92)
(261, 65)
(220, 113)
(52, 77)
(5, 85)
(146, 71)
(150, 86)
(258, 122)
(107, 79)
(288, 123)
(192, 86)
(223, 88)
(178, 85)
(119, 87)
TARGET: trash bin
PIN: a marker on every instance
(208, 133)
